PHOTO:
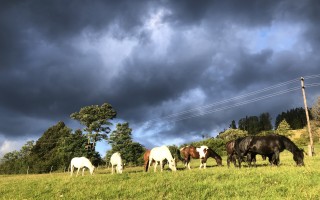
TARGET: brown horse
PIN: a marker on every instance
(231, 154)
(206, 152)
(146, 160)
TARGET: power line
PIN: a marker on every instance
(180, 115)
(227, 100)
(235, 105)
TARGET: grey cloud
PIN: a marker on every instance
(45, 75)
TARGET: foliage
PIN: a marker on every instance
(53, 151)
(263, 182)
(305, 138)
(296, 118)
(233, 125)
(96, 119)
(121, 141)
(217, 144)
(284, 129)
(254, 124)
(175, 152)
(315, 111)
(232, 134)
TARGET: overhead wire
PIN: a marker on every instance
(235, 105)
(227, 100)
(181, 115)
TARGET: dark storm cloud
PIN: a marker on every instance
(151, 59)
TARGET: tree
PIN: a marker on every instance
(250, 124)
(232, 134)
(265, 122)
(296, 118)
(284, 129)
(96, 119)
(56, 147)
(233, 125)
(121, 141)
(315, 110)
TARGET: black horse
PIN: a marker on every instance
(241, 146)
(270, 146)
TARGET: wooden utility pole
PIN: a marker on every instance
(310, 147)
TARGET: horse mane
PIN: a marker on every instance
(289, 145)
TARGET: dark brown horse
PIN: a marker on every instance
(231, 153)
(206, 152)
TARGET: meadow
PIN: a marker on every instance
(263, 182)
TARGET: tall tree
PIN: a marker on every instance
(96, 119)
(233, 125)
(315, 110)
(121, 141)
(284, 129)
(296, 118)
(250, 124)
(265, 122)
(45, 154)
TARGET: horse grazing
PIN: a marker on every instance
(202, 152)
(81, 162)
(231, 153)
(146, 160)
(116, 160)
(159, 154)
(271, 146)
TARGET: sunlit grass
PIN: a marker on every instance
(263, 182)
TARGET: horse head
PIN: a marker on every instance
(92, 169)
(298, 157)
(119, 168)
(172, 164)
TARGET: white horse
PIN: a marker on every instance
(81, 162)
(159, 154)
(116, 160)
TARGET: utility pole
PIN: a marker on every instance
(310, 147)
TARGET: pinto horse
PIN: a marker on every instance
(81, 162)
(203, 153)
(159, 154)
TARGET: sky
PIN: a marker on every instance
(175, 70)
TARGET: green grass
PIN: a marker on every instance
(264, 182)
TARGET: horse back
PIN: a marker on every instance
(266, 145)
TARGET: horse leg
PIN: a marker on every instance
(155, 166)
(150, 161)
(72, 168)
(78, 171)
(161, 165)
(276, 157)
(111, 169)
(239, 160)
(228, 160)
(83, 171)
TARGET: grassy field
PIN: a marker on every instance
(263, 182)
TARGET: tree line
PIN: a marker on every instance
(59, 144)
